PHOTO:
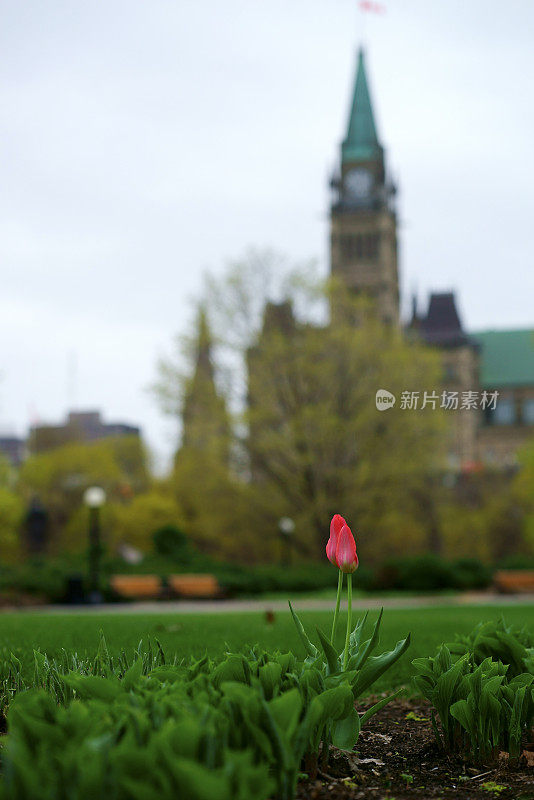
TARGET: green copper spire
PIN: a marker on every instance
(361, 143)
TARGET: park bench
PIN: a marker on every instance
(203, 586)
(134, 587)
(151, 587)
(514, 581)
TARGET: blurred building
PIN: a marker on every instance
(206, 425)
(80, 426)
(364, 257)
(13, 448)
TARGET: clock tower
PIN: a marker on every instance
(363, 232)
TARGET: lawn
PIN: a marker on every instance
(193, 634)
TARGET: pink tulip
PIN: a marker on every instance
(346, 557)
(335, 529)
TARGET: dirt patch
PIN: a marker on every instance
(397, 757)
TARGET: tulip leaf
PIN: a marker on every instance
(376, 665)
(332, 657)
(369, 646)
(345, 732)
(356, 635)
(377, 706)
(310, 648)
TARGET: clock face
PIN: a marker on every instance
(359, 182)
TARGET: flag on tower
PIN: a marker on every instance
(375, 8)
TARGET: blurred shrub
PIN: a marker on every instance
(136, 522)
(42, 579)
(263, 578)
(11, 514)
(470, 573)
(419, 573)
(517, 562)
(430, 573)
(172, 542)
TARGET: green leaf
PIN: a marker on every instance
(377, 706)
(369, 645)
(92, 687)
(375, 666)
(462, 711)
(232, 669)
(196, 782)
(270, 675)
(309, 647)
(345, 732)
(331, 656)
(337, 703)
(354, 639)
(285, 711)
(132, 675)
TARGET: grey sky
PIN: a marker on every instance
(145, 141)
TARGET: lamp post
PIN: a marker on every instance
(94, 498)
(286, 526)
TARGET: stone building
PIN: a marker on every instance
(205, 420)
(80, 426)
(364, 258)
(363, 230)
(477, 366)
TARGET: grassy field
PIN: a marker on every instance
(193, 634)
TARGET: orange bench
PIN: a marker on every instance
(147, 587)
(514, 581)
(151, 587)
(195, 585)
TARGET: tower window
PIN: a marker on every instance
(371, 242)
(504, 413)
(363, 245)
(528, 411)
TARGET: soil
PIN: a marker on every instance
(397, 757)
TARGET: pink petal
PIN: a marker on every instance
(346, 556)
(335, 527)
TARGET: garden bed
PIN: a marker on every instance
(397, 757)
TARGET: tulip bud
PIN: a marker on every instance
(335, 529)
(346, 557)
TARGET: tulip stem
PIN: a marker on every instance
(349, 620)
(336, 610)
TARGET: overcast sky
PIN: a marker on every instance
(143, 142)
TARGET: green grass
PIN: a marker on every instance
(193, 634)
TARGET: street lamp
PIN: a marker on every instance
(286, 526)
(94, 498)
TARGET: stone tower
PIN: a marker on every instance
(363, 243)
(204, 414)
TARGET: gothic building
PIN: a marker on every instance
(363, 232)
(364, 257)
(488, 376)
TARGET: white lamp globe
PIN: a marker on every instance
(286, 525)
(94, 497)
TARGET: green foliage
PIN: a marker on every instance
(262, 578)
(362, 669)
(495, 639)
(143, 727)
(170, 541)
(134, 522)
(429, 573)
(60, 476)
(11, 515)
(484, 699)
